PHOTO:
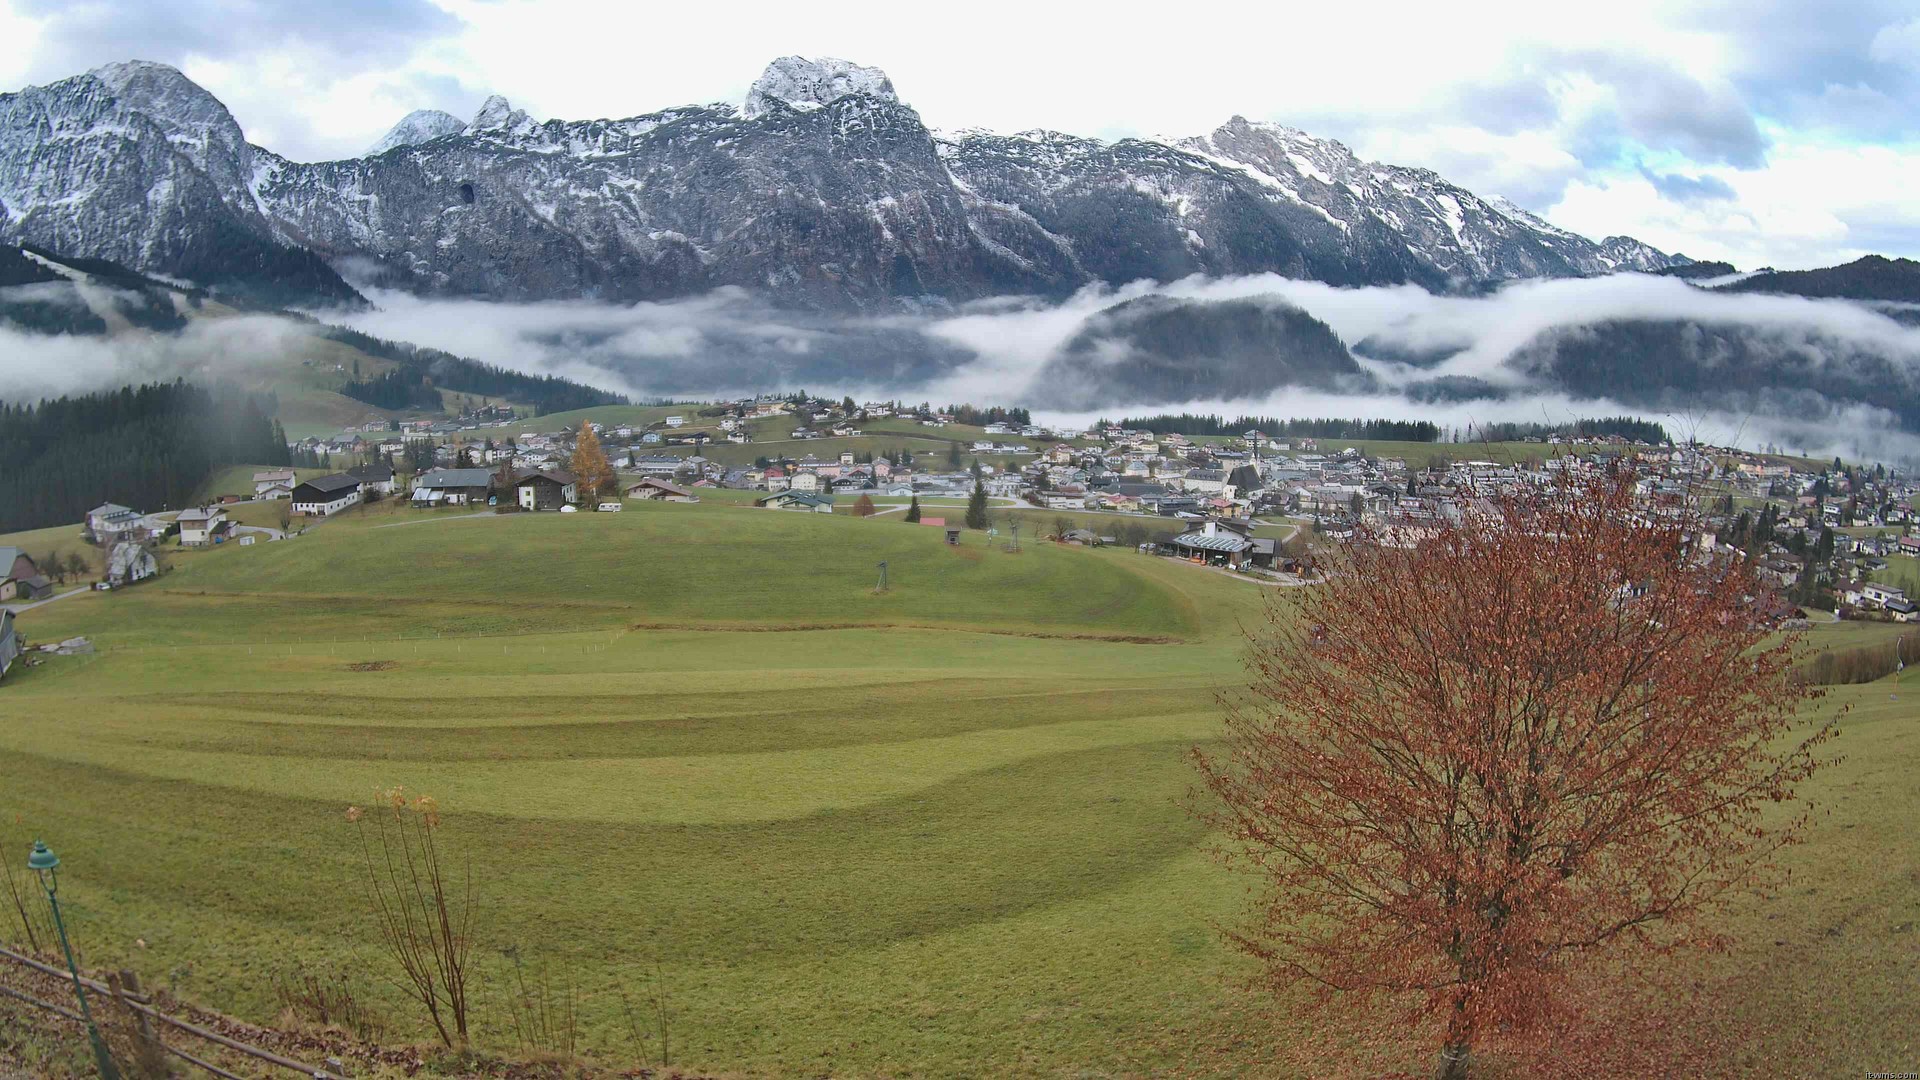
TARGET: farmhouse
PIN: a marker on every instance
(201, 526)
(797, 500)
(655, 488)
(453, 487)
(325, 495)
(23, 580)
(374, 477)
(273, 483)
(547, 489)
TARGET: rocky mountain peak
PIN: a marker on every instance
(804, 84)
(496, 114)
(195, 121)
(418, 126)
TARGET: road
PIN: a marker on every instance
(18, 608)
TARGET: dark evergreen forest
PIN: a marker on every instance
(149, 447)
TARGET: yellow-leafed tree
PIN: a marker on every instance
(591, 470)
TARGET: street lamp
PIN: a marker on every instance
(46, 864)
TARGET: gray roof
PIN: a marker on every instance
(332, 482)
(1204, 542)
(461, 478)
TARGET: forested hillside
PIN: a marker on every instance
(423, 370)
(1214, 424)
(148, 447)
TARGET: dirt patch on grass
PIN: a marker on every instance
(373, 665)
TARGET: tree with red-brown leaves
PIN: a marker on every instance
(1486, 751)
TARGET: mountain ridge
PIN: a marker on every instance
(824, 189)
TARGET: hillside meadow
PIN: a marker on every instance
(939, 831)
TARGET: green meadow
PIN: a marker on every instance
(936, 831)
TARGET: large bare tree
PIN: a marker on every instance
(1484, 751)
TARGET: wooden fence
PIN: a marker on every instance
(123, 990)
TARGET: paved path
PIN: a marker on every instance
(271, 533)
(18, 608)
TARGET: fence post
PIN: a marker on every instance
(150, 1055)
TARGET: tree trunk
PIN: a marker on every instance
(1453, 1061)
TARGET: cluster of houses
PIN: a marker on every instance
(1214, 487)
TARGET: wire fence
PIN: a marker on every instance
(144, 1020)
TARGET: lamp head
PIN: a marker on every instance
(43, 861)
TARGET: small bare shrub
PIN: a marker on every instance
(425, 919)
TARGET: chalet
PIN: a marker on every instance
(23, 580)
(202, 526)
(1910, 545)
(546, 489)
(453, 487)
(273, 483)
(797, 500)
(653, 487)
(325, 495)
(375, 477)
(10, 647)
(110, 523)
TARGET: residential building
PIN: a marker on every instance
(652, 487)
(325, 495)
(374, 477)
(797, 500)
(202, 526)
(273, 483)
(453, 487)
(547, 489)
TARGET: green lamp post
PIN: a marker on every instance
(46, 864)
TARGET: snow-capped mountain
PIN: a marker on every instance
(822, 188)
(418, 126)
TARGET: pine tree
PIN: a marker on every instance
(591, 470)
(977, 506)
(913, 510)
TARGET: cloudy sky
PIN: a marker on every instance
(1777, 132)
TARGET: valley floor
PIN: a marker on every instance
(937, 831)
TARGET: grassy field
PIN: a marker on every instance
(934, 832)
(1903, 571)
